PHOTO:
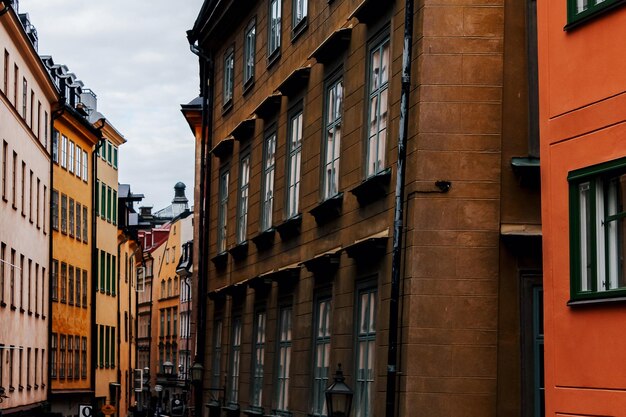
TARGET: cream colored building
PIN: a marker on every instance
(27, 100)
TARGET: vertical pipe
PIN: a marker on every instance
(396, 265)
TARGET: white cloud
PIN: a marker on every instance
(134, 55)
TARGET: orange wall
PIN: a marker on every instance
(582, 80)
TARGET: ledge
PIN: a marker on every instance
(520, 230)
(232, 410)
(527, 169)
(332, 46)
(327, 209)
(269, 106)
(369, 10)
(324, 262)
(597, 301)
(223, 148)
(220, 259)
(372, 188)
(284, 274)
(290, 227)
(254, 411)
(239, 251)
(370, 246)
(295, 81)
(264, 239)
(244, 130)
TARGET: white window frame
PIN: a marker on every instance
(378, 107)
(365, 352)
(258, 359)
(332, 138)
(64, 151)
(222, 221)
(321, 355)
(244, 198)
(274, 27)
(299, 12)
(70, 162)
(283, 363)
(269, 170)
(249, 53)
(229, 76)
(294, 163)
(235, 361)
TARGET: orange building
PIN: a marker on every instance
(583, 165)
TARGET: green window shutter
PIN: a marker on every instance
(107, 345)
(103, 200)
(115, 157)
(108, 285)
(112, 347)
(114, 274)
(109, 203)
(102, 271)
(101, 347)
(114, 207)
(97, 191)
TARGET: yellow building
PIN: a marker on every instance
(73, 141)
(108, 291)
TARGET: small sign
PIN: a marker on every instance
(108, 409)
(84, 411)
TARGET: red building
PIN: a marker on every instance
(583, 152)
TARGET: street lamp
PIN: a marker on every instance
(168, 367)
(339, 396)
(196, 372)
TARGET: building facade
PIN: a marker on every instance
(296, 160)
(73, 141)
(27, 101)
(583, 167)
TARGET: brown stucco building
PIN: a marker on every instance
(296, 129)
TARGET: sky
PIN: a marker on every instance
(135, 56)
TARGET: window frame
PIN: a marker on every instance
(331, 84)
(362, 289)
(274, 35)
(249, 53)
(258, 358)
(377, 43)
(222, 212)
(320, 382)
(298, 25)
(228, 85)
(284, 345)
(574, 18)
(267, 203)
(294, 156)
(243, 201)
(235, 360)
(596, 175)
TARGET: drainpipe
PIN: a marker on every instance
(396, 265)
(119, 326)
(206, 92)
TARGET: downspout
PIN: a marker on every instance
(206, 92)
(396, 264)
(119, 325)
(95, 200)
(55, 115)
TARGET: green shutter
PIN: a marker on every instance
(97, 191)
(101, 350)
(112, 347)
(103, 200)
(114, 274)
(114, 219)
(102, 271)
(109, 203)
(115, 157)
(108, 286)
(107, 345)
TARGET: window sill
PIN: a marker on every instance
(597, 301)
(36, 315)
(13, 307)
(327, 209)
(30, 313)
(254, 411)
(264, 239)
(247, 86)
(239, 251)
(220, 259)
(232, 410)
(227, 107)
(290, 227)
(299, 29)
(273, 58)
(22, 311)
(3, 304)
(373, 188)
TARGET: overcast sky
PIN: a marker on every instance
(134, 55)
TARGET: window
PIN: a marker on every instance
(378, 107)
(30, 286)
(101, 346)
(109, 202)
(103, 200)
(5, 153)
(108, 276)
(63, 283)
(83, 363)
(76, 357)
(22, 283)
(321, 355)
(85, 166)
(24, 97)
(578, 10)
(14, 180)
(78, 287)
(217, 355)
(28, 361)
(62, 340)
(70, 163)
(38, 202)
(115, 157)
(244, 186)
(54, 278)
(55, 209)
(249, 53)
(107, 345)
(84, 302)
(39, 119)
(3, 262)
(37, 289)
(70, 357)
(32, 108)
(223, 213)
(295, 156)
(175, 326)
(597, 211)
(45, 204)
(267, 203)
(273, 33)
(64, 151)
(229, 76)
(284, 360)
(70, 285)
(16, 77)
(55, 146)
(169, 322)
(109, 152)
(12, 278)
(258, 359)
(72, 217)
(23, 188)
(162, 327)
(63, 213)
(6, 73)
(78, 162)
(85, 224)
(235, 352)
(79, 223)
(114, 202)
(45, 129)
(332, 139)
(53, 356)
(112, 347)
(365, 352)
(299, 12)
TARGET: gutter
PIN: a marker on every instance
(396, 260)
